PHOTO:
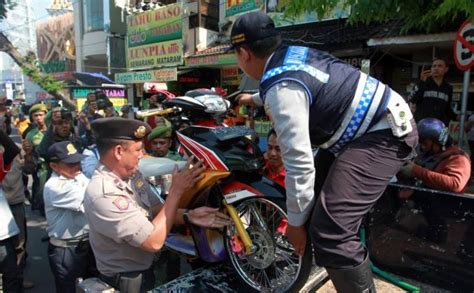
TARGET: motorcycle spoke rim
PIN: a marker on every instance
(285, 266)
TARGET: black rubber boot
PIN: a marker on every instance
(354, 280)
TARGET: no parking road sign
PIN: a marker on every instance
(464, 46)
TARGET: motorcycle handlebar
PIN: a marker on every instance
(156, 112)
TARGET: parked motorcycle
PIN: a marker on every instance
(255, 244)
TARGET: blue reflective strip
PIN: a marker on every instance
(316, 73)
(359, 115)
(296, 55)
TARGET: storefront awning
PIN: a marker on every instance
(412, 40)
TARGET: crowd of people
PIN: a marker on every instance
(103, 222)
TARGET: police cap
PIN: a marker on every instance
(251, 27)
(120, 128)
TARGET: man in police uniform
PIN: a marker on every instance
(125, 228)
(315, 99)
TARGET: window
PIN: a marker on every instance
(93, 15)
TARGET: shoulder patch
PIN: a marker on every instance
(121, 203)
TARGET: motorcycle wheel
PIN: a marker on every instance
(273, 265)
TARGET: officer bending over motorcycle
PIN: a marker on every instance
(315, 99)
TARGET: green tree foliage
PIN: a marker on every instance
(5, 5)
(421, 15)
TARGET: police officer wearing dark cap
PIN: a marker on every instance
(353, 117)
(69, 251)
(125, 229)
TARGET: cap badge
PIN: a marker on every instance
(140, 132)
(71, 150)
(238, 38)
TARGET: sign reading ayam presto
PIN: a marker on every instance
(165, 74)
(162, 54)
(162, 24)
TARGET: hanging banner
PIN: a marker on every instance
(165, 74)
(233, 7)
(221, 59)
(164, 54)
(155, 26)
(118, 96)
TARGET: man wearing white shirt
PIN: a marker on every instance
(68, 229)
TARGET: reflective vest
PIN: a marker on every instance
(344, 102)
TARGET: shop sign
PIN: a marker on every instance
(233, 7)
(118, 96)
(164, 54)
(222, 59)
(155, 26)
(230, 76)
(165, 74)
(276, 10)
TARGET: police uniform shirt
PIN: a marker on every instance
(64, 206)
(119, 224)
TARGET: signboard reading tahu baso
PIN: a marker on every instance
(159, 25)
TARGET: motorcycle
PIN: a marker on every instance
(255, 244)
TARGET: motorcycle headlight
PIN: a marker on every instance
(214, 104)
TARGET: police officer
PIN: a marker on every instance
(125, 229)
(315, 99)
(69, 251)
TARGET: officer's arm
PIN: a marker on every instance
(66, 193)
(289, 106)
(162, 222)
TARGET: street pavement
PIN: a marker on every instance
(37, 265)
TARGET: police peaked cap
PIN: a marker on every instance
(120, 128)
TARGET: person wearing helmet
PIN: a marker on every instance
(440, 165)
(315, 99)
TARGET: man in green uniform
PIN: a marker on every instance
(161, 139)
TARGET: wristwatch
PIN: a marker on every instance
(186, 217)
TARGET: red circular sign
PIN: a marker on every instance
(464, 46)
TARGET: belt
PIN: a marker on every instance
(68, 242)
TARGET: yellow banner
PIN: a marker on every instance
(156, 55)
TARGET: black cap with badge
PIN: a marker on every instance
(251, 27)
(64, 151)
(120, 128)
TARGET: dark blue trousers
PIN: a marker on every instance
(12, 275)
(348, 187)
(69, 263)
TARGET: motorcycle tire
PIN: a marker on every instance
(271, 249)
